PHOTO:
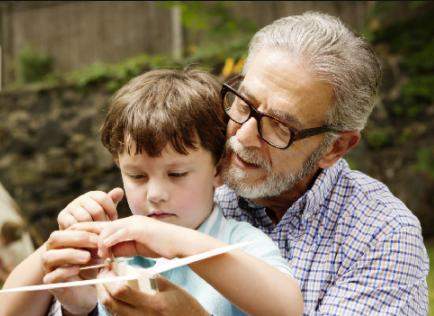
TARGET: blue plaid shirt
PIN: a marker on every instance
(354, 247)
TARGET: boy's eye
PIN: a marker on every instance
(177, 174)
(136, 176)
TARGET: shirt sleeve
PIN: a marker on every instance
(261, 246)
(389, 279)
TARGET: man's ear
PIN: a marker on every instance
(345, 142)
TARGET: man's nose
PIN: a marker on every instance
(157, 192)
(248, 134)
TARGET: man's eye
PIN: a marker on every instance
(177, 174)
(241, 106)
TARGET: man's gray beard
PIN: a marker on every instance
(275, 182)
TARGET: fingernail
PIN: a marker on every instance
(85, 256)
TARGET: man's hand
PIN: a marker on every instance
(91, 206)
(120, 300)
(65, 252)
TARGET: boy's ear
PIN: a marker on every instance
(116, 161)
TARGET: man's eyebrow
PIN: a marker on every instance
(248, 95)
(286, 118)
(280, 115)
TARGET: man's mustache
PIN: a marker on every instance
(248, 155)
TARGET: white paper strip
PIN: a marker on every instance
(159, 268)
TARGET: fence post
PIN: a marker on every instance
(177, 45)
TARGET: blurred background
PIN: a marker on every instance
(61, 61)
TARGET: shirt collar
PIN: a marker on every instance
(212, 222)
(312, 200)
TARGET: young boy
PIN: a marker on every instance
(166, 132)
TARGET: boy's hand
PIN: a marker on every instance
(91, 206)
(148, 237)
(65, 252)
(120, 299)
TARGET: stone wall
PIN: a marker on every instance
(50, 150)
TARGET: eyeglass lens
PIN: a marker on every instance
(272, 131)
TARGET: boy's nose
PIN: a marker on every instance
(157, 193)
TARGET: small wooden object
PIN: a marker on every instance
(144, 283)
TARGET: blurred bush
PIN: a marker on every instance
(398, 143)
(33, 66)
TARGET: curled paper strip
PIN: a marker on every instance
(149, 272)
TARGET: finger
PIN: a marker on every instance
(71, 239)
(165, 285)
(61, 274)
(107, 203)
(65, 220)
(61, 257)
(117, 194)
(80, 214)
(129, 249)
(104, 297)
(94, 209)
(90, 227)
(114, 306)
(124, 293)
(109, 238)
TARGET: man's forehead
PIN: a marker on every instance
(278, 111)
(280, 83)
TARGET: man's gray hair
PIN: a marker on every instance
(334, 54)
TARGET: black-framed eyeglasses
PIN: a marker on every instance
(272, 130)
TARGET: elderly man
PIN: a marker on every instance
(307, 92)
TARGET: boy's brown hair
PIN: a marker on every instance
(166, 106)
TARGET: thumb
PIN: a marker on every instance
(164, 285)
(117, 194)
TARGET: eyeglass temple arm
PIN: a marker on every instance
(313, 131)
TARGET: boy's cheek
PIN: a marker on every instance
(137, 210)
(136, 199)
(135, 205)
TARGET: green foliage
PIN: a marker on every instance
(425, 161)
(379, 137)
(115, 75)
(410, 39)
(33, 66)
(218, 30)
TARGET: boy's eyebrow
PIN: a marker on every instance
(130, 166)
(280, 115)
(175, 164)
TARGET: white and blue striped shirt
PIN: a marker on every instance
(354, 247)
